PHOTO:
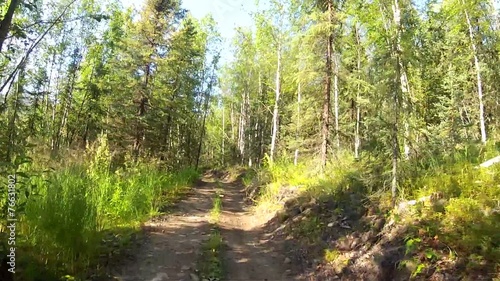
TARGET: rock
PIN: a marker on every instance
(287, 261)
(331, 224)
(185, 267)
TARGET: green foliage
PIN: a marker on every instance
(412, 244)
(420, 268)
(331, 255)
(75, 207)
(466, 210)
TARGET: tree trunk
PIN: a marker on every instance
(327, 93)
(336, 101)
(140, 135)
(478, 77)
(398, 87)
(223, 135)
(357, 139)
(233, 129)
(242, 127)
(12, 129)
(7, 21)
(299, 98)
(276, 105)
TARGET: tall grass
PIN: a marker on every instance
(71, 210)
(282, 179)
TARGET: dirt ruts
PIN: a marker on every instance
(174, 242)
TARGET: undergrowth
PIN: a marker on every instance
(68, 213)
(464, 213)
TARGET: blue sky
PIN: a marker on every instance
(227, 13)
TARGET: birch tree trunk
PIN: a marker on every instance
(357, 139)
(478, 77)
(397, 88)
(299, 98)
(223, 133)
(336, 100)
(276, 104)
(327, 93)
(233, 129)
(241, 129)
(405, 91)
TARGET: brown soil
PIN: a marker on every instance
(174, 242)
(251, 255)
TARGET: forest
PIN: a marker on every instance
(329, 117)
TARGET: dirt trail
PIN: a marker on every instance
(174, 242)
(249, 255)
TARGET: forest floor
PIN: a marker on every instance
(173, 243)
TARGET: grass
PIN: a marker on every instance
(210, 263)
(215, 212)
(68, 215)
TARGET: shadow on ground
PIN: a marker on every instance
(346, 236)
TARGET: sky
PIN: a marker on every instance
(227, 13)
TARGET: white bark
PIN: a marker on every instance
(276, 105)
(223, 135)
(233, 129)
(336, 99)
(357, 140)
(478, 77)
(395, 144)
(299, 97)
(490, 162)
(241, 131)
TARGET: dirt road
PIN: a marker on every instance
(250, 256)
(174, 242)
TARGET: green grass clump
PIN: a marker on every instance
(210, 265)
(215, 212)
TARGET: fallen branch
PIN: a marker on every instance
(490, 162)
